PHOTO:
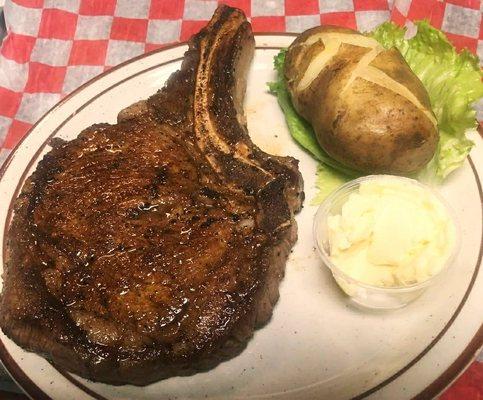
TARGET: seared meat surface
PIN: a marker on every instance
(154, 247)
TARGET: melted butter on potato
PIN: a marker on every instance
(318, 63)
(332, 43)
(368, 109)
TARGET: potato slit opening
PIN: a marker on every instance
(378, 77)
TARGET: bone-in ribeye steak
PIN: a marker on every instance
(154, 247)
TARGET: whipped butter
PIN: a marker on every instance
(391, 233)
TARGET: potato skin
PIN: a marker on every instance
(367, 127)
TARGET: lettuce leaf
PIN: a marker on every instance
(328, 179)
(453, 82)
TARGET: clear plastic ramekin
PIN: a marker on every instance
(362, 293)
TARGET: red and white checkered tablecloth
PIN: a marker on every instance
(53, 46)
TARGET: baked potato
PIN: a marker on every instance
(368, 109)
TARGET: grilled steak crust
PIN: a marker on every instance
(154, 247)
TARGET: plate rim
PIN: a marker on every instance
(449, 375)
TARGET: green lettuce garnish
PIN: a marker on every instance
(328, 179)
(453, 82)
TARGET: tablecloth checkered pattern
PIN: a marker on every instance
(53, 46)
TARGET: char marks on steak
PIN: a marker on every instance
(154, 247)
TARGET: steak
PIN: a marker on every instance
(154, 247)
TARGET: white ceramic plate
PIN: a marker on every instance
(317, 345)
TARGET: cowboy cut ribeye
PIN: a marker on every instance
(154, 247)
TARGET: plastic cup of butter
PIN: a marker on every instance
(363, 293)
